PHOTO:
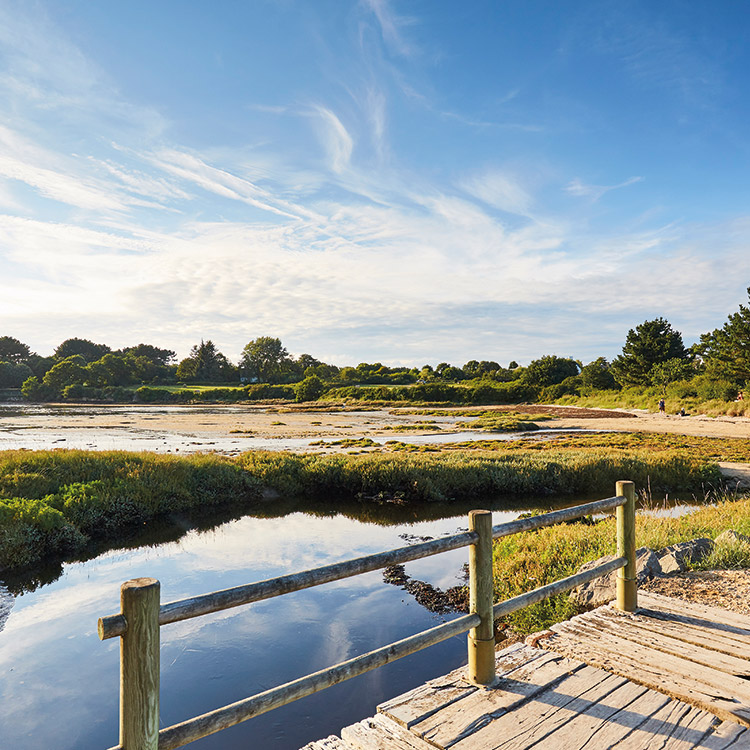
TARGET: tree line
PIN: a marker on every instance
(653, 355)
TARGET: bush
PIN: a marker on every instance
(309, 389)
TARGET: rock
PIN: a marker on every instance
(603, 590)
(675, 558)
(731, 537)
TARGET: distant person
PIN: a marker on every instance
(662, 406)
(740, 396)
(682, 412)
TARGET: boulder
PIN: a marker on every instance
(731, 537)
(603, 590)
(675, 558)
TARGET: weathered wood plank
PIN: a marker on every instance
(609, 722)
(546, 713)
(727, 736)
(425, 700)
(328, 743)
(466, 716)
(684, 630)
(724, 695)
(715, 617)
(677, 726)
(381, 733)
(625, 627)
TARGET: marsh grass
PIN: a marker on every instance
(499, 422)
(525, 561)
(58, 502)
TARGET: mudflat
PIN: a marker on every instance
(332, 422)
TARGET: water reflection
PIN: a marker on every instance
(50, 655)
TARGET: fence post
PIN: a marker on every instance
(627, 590)
(481, 594)
(139, 665)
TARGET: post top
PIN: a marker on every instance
(140, 583)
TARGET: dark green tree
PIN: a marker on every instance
(726, 351)
(13, 374)
(309, 389)
(111, 369)
(158, 356)
(69, 371)
(649, 344)
(597, 375)
(85, 348)
(264, 358)
(549, 370)
(206, 364)
(12, 350)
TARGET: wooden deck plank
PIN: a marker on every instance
(680, 628)
(329, 743)
(545, 713)
(716, 618)
(464, 717)
(610, 621)
(608, 723)
(723, 694)
(676, 726)
(382, 733)
(727, 736)
(420, 703)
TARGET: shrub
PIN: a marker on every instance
(309, 389)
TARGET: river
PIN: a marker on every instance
(59, 683)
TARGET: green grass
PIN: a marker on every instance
(57, 503)
(526, 561)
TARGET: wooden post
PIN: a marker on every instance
(139, 665)
(481, 595)
(627, 590)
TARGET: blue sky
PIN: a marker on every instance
(405, 182)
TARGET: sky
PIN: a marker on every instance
(373, 180)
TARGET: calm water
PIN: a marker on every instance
(59, 683)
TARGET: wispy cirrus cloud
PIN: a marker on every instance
(335, 138)
(595, 192)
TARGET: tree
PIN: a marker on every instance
(651, 342)
(13, 374)
(264, 358)
(206, 364)
(158, 356)
(85, 348)
(309, 389)
(12, 350)
(70, 371)
(597, 375)
(549, 370)
(664, 373)
(111, 369)
(726, 350)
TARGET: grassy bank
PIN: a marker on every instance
(526, 561)
(61, 503)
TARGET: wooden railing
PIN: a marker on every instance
(141, 615)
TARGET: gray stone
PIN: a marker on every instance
(731, 537)
(675, 558)
(603, 590)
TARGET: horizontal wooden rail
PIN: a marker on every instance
(227, 716)
(557, 516)
(183, 609)
(139, 675)
(556, 587)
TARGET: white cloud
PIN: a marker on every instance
(336, 139)
(390, 27)
(500, 190)
(578, 188)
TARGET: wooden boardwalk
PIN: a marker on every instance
(672, 676)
